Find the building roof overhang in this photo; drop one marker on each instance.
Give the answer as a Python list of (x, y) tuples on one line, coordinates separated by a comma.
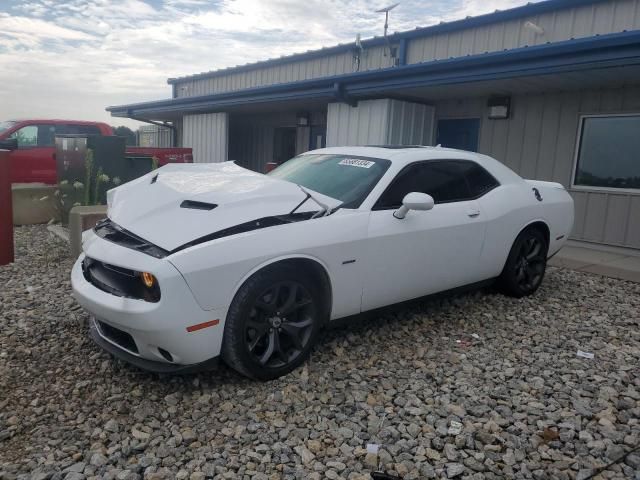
[(591, 53)]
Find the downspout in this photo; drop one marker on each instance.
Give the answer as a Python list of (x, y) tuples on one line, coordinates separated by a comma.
[(340, 95), (402, 52)]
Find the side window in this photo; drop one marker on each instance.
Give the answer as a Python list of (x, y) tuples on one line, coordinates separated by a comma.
[(88, 130), (26, 136), (480, 181), (443, 180), (46, 135), (35, 136), (74, 129)]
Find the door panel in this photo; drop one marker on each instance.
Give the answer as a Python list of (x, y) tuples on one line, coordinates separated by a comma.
[(284, 144), (425, 253), (34, 160), (460, 133), (33, 165)]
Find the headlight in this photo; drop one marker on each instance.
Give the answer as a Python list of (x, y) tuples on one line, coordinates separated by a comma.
[(148, 280)]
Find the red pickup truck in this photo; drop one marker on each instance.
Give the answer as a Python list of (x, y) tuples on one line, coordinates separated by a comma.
[(34, 160)]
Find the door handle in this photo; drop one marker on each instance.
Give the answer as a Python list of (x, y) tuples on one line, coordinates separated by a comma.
[(473, 213)]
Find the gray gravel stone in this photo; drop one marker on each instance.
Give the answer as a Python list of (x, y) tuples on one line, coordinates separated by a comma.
[(529, 407)]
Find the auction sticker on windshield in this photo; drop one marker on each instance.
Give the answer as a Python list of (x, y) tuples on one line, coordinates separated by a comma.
[(357, 162)]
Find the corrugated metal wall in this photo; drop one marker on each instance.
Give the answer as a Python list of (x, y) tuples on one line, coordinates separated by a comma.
[(251, 145), (379, 122), (366, 124), (155, 136), (599, 18), (251, 137), (207, 134), (335, 64), (410, 123), (584, 21), (539, 141)]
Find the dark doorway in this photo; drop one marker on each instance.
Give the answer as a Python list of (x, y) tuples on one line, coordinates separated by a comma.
[(284, 144), (460, 133)]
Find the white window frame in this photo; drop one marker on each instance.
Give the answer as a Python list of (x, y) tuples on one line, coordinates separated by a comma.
[(588, 188)]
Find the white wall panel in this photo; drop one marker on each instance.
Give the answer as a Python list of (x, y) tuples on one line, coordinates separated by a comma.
[(539, 141), (379, 122), (207, 135), (332, 64), (588, 20), (365, 124)]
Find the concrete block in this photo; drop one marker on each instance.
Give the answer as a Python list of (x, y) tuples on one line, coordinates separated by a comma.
[(34, 203), (81, 219)]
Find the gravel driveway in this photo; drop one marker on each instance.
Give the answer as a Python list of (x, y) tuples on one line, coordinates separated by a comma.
[(506, 369)]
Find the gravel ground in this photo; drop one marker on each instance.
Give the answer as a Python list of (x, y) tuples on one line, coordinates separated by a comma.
[(505, 369)]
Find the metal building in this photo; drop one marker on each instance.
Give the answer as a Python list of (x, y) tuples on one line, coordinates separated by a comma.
[(551, 89)]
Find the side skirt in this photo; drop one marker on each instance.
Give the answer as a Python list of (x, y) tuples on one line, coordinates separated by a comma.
[(376, 312)]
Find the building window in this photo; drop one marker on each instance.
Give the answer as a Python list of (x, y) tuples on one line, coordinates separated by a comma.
[(609, 152)]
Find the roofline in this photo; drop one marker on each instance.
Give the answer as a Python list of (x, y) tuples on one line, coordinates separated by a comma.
[(617, 49), (444, 27)]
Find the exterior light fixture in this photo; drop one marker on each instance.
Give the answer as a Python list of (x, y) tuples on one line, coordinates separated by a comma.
[(499, 108), (302, 120)]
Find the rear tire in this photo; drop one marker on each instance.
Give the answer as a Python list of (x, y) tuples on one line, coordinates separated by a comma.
[(526, 265), (273, 323)]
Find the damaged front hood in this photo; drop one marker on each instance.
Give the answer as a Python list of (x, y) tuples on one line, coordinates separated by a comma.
[(179, 203)]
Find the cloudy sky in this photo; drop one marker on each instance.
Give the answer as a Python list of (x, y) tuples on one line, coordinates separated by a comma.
[(72, 58)]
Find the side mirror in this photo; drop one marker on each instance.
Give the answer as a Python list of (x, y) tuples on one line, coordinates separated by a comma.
[(9, 144), (414, 201)]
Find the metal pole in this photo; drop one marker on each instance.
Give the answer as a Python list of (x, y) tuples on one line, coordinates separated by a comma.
[(6, 211)]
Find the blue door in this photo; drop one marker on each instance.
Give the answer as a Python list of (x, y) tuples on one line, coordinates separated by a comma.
[(460, 133)]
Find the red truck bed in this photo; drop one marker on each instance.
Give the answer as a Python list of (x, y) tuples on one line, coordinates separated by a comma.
[(164, 155)]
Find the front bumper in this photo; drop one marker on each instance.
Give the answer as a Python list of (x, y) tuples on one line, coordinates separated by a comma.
[(153, 329), (143, 363)]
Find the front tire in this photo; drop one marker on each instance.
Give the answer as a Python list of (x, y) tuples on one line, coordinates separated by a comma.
[(526, 264), (273, 323)]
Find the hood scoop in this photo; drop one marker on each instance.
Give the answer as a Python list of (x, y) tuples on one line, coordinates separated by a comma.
[(195, 205)]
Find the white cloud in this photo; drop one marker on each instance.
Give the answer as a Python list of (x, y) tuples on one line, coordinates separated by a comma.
[(72, 58)]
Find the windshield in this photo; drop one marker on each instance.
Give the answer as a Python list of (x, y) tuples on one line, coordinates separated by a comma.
[(348, 178), (4, 126)]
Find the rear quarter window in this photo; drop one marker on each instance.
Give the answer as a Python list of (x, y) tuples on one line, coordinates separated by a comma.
[(480, 181)]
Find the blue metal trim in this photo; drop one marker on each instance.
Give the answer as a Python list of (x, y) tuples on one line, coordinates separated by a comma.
[(529, 9), (402, 52), (571, 55)]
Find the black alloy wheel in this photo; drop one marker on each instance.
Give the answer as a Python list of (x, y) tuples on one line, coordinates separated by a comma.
[(526, 265), (273, 322), (280, 324), (530, 265)]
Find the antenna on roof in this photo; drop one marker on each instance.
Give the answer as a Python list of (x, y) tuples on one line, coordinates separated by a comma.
[(386, 11), (357, 53)]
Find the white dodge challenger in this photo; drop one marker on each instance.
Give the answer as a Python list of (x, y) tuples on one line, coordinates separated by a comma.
[(202, 261)]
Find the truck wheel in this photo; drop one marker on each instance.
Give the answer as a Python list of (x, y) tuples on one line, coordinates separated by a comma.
[(526, 264), (272, 324)]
